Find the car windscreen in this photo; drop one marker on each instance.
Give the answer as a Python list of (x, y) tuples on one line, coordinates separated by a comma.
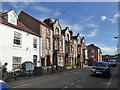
[(101, 64)]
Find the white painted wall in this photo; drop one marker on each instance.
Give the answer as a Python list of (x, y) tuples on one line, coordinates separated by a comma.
[(8, 50)]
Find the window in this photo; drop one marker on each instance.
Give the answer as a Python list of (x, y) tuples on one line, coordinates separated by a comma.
[(67, 48), (62, 60), (70, 60), (79, 50), (57, 31), (71, 48), (12, 19), (60, 45), (48, 43), (34, 43), (56, 44), (16, 62), (48, 31), (92, 50), (17, 38), (59, 62), (67, 37)]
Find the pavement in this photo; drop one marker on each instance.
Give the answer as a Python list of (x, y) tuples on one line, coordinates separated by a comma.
[(76, 78)]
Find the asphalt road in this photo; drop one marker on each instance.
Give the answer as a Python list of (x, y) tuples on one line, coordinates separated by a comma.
[(78, 78)]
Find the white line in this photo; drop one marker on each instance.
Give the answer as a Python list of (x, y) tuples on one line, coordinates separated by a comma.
[(72, 84), (65, 87), (111, 79), (78, 81)]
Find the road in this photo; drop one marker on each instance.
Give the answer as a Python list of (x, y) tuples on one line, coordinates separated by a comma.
[(78, 78)]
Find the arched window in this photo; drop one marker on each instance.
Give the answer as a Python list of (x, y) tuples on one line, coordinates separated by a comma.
[(67, 37), (57, 31)]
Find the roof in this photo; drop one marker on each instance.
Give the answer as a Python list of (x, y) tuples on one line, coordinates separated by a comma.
[(20, 26), (92, 45), (35, 19)]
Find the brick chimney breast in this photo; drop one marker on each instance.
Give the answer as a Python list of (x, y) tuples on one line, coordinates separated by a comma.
[(48, 21)]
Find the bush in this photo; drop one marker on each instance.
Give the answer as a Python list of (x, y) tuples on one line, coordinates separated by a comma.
[(68, 65)]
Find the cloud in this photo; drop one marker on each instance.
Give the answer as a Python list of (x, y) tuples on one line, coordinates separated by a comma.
[(115, 17), (18, 7), (105, 49), (109, 50), (103, 18), (57, 13), (92, 25), (41, 9), (86, 19), (92, 33)]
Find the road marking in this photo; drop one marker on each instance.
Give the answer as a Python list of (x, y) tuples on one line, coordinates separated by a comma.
[(83, 78), (111, 79), (78, 81), (72, 84), (65, 87)]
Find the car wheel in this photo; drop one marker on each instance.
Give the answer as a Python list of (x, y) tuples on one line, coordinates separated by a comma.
[(92, 75), (107, 75)]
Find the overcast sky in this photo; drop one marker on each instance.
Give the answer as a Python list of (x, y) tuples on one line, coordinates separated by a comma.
[(96, 21)]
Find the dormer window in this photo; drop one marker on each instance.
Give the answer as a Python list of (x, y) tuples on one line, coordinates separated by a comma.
[(12, 19), (57, 31)]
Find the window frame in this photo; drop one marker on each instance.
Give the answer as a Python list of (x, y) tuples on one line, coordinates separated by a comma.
[(56, 44), (35, 44), (16, 63), (61, 45), (17, 38), (57, 31), (48, 31), (48, 44)]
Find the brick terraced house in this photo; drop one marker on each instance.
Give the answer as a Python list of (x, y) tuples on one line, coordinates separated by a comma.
[(58, 43)]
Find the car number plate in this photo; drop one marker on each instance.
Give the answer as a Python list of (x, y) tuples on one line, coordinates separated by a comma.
[(98, 72)]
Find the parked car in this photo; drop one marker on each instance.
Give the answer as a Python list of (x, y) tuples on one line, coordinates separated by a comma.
[(3, 85), (101, 68), (113, 63)]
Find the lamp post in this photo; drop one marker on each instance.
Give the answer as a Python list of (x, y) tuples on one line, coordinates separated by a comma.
[(118, 47)]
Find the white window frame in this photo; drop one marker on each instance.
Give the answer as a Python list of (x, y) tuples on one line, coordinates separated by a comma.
[(17, 37), (57, 31), (35, 42), (56, 44), (48, 31), (60, 45), (12, 19), (16, 61), (48, 43), (67, 37)]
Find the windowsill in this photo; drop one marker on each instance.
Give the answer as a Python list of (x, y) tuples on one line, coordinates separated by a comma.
[(48, 49), (34, 48), (14, 45)]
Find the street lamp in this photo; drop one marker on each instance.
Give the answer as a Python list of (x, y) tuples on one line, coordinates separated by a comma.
[(118, 48)]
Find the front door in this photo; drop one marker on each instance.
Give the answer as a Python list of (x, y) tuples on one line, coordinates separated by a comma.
[(35, 60)]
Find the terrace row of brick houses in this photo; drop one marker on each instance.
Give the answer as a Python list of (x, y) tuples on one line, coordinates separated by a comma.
[(25, 38)]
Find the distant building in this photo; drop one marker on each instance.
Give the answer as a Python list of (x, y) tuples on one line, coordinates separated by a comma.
[(109, 57), (94, 54)]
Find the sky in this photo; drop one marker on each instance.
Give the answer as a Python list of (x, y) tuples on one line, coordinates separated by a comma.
[(96, 21)]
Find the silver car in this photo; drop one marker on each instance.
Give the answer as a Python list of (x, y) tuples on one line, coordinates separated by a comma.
[(113, 63)]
